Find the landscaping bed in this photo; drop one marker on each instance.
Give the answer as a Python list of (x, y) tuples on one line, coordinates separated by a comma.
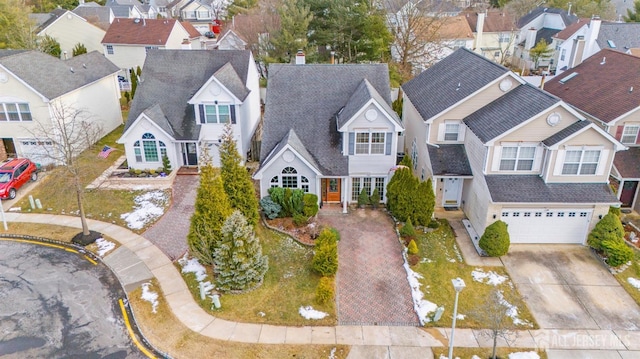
[(305, 234)]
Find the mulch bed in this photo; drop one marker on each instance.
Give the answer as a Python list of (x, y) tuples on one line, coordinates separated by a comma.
[(304, 235), (628, 229)]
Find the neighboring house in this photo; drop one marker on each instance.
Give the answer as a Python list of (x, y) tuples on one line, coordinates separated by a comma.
[(566, 44), (70, 29), (494, 34), (230, 41), (32, 83), (540, 23), (328, 130), (127, 41), (99, 15), (128, 9), (199, 13), (450, 34), (186, 99), (502, 149), (604, 89)]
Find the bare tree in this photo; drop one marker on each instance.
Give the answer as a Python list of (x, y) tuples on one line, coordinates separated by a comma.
[(492, 314), (256, 25)]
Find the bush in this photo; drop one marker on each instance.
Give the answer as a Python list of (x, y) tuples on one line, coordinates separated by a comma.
[(270, 208), (412, 248), (325, 258), (375, 198), (287, 204), (299, 220), (277, 195), (325, 290), (495, 240), (617, 252), (407, 231), (615, 210), (413, 259), (310, 201), (608, 229), (434, 224), (166, 164), (363, 198), (297, 203)]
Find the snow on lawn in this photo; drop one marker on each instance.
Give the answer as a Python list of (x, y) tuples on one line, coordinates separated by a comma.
[(150, 296), (512, 312), (492, 277), (524, 355), (310, 313), (193, 266), (634, 282), (422, 306), (148, 207), (104, 246)]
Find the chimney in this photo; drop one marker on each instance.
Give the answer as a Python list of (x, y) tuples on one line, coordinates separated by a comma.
[(569, 11), (479, 32), (144, 23), (530, 39), (300, 58), (591, 36), (333, 57)]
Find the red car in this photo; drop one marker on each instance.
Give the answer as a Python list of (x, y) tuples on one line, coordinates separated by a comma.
[(14, 174)]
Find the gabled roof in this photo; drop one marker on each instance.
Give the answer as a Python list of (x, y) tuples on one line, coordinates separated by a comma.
[(155, 114), (494, 21), (628, 163), (572, 29), (97, 15), (603, 90), (306, 98), (172, 77), (153, 32), (193, 33), (454, 27), (231, 41), (230, 79), (293, 140), (508, 111), (623, 36), (363, 94), (546, 34), (565, 132), (566, 18), (53, 77), (452, 79), (533, 189), (121, 11), (44, 20), (449, 159)]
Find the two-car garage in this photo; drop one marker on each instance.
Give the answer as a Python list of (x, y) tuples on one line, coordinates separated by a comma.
[(546, 225)]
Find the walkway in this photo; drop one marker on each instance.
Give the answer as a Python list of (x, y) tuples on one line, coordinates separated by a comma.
[(372, 286)]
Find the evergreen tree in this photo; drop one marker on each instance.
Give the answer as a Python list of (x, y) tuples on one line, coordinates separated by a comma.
[(79, 49), (134, 82), (236, 180), (425, 201), (633, 15), (211, 210), (50, 46), (294, 26), (238, 258), (495, 239), (609, 228), (16, 27)]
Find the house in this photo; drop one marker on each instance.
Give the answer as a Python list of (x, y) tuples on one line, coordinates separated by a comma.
[(607, 93), (199, 13), (328, 130), (494, 33), (127, 41), (70, 29), (565, 43), (502, 149), (32, 83), (100, 16), (230, 40), (128, 9), (184, 102)]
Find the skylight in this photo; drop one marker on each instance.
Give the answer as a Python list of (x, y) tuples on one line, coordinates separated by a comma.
[(567, 78), (611, 44)]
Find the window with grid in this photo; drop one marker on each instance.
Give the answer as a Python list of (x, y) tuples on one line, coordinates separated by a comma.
[(275, 181), (370, 143), (379, 184), (355, 188), (15, 112), (216, 114), (630, 134), (289, 178), (150, 151), (147, 48), (581, 162), (304, 184), (504, 37), (366, 185), (110, 49), (163, 149), (451, 131), (517, 158)]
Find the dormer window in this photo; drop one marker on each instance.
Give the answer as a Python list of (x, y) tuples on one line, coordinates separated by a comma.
[(215, 113), (451, 131), (630, 134), (581, 162), (517, 158), (370, 143)]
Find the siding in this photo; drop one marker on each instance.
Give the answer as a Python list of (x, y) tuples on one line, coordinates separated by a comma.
[(275, 169), (70, 30), (475, 196)]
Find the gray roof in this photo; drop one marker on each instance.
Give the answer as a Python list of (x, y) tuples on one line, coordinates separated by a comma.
[(171, 78), (229, 78), (566, 18), (53, 77), (508, 111), (44, 20), (98, 15), (359, 98), (565, 132), (306, 98), (625, 36), (452, 79), (532, 189), (293, 140), (449, 160), (546, 34), (39, 18)]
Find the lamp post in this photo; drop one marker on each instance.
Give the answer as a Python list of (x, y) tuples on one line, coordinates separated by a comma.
[(458, 285)]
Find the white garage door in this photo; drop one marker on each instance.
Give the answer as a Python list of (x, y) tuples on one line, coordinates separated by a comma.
[(547, 226), (37, 150)]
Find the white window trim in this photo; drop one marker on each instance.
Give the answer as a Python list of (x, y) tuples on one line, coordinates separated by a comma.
[(518, 159), (442, 131), (600, 168), (203, 121), (537, 156), (369, 143), (635, 136)]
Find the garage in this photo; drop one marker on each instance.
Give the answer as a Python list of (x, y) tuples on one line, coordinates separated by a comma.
[(527, 225), (37, 150)]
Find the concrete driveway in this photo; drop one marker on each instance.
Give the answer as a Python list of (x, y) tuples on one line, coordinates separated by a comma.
[(566, 287)]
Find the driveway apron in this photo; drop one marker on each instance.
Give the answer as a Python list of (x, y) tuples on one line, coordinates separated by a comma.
[(372, 286), (170, 232)]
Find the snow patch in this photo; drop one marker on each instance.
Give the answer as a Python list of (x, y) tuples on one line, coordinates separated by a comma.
[(309, 313), (332, 355), (475, 357), (460, 316), (150, 296), (491, 277), (634, 282), (193, 266), (421, 306), (512, 312), (524, 355), (104, 246), (148, 207)]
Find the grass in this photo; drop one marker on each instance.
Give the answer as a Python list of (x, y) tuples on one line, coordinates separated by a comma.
[(441, 262), (468, 353), (288, 285), (632, 271), (165, 331)]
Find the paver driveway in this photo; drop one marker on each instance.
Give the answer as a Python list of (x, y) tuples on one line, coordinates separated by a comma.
[(566, 287), (372, 286)]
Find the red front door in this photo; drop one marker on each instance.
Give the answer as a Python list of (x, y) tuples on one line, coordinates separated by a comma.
[(628, 193)]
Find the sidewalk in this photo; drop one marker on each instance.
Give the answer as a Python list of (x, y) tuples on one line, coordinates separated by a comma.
[(138, 260)]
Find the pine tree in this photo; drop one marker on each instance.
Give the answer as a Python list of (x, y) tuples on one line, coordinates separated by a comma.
[(237, 181), (425, 202), (238, 258), (211, 210), (50, 45), (79, 49)]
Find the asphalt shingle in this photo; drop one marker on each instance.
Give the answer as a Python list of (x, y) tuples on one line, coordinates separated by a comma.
[(565, 132), (532, 189), (628, 163), (449, 160)]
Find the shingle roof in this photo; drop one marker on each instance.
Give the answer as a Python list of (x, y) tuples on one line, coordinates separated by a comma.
[(154, 32), (494, 21), (449, 160), (306, 98), (628, 162), (566, 18), (451, 80), (565, 132), (359, 98), (44, 20), (193, 33), (508, 111), (546, 34), (625, 36), (571, 29), (229, 78), (603, 90), (453, 27), (293, 140), (172, 77), (120, 11), (533, 189), (53, 77), (97, 15)]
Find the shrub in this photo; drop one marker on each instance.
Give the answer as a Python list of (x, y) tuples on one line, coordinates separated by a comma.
[(325, 290), (287, 204), (127, 96), (363, 198), (407, 231), (615, 210), (79, 49), (310, 201), (608, 229), (413, 259), (617, 252), (495, 240), (325, 258), (413, 247), (297, 202), (299, 220), (166, 164), (433, 224), (375, 198), (270, 208), (277, 195)]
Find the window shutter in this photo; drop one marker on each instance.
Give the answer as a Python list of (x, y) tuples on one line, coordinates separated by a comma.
[(233, 114), (557, 169), (497, 154), (202, 118), (537, 160), (388, 143), (638, 138), (461, 130), (619, 130), (441, 129), (602, 164), (352, 143)]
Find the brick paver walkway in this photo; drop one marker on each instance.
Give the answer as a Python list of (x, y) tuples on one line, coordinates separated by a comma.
[(372, 286), (170, 232)]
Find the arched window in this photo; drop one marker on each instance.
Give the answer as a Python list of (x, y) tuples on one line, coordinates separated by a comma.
[(289, 178), (150, 149), (275, 181), (304, 183)]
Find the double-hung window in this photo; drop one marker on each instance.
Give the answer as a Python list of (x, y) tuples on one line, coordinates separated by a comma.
[(581, 162), (370, 143), (15, 112), (451, 130), (630, 134), (517, 158), (110, 49), (216, 114)]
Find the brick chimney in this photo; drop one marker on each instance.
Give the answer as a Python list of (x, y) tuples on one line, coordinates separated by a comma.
[(300, 58)]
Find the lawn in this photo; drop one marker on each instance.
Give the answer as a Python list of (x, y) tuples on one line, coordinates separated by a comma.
[(633, 271), (288, 285), (441, 262), (468, 353)]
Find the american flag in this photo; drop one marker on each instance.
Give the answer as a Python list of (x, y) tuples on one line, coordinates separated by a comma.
[(106, 150)]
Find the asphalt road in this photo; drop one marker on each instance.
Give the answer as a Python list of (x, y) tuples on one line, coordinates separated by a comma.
[(56, 304)]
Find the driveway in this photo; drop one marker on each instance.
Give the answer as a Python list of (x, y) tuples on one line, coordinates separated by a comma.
[(567, 287)]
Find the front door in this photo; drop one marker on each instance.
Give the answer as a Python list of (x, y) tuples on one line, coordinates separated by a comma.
[(452, 189), (331, 189), (190, 154), (628, 193)]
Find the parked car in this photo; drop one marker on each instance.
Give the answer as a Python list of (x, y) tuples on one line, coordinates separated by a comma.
[(210, 34), (14, 174)]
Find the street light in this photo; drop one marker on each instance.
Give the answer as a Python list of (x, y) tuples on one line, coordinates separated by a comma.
[(458, 285)]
